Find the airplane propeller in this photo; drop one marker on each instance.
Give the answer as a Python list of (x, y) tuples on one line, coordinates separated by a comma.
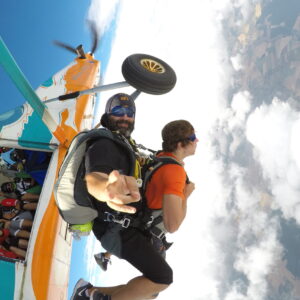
[(95, 36), (65, 46), (79, 50)]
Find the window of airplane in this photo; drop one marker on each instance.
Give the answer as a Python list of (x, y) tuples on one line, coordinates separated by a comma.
[(22, 175)]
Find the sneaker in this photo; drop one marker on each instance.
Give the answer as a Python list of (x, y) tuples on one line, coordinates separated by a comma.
[(102, 261), (96, 295), (79, 290)]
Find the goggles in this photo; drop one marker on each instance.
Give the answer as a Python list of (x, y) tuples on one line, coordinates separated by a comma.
[(192, 137), (121, 111)]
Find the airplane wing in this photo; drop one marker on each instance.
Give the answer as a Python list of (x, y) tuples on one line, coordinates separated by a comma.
[(40, 127)]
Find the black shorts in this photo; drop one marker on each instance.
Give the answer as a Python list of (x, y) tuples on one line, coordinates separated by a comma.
[(136, 248)]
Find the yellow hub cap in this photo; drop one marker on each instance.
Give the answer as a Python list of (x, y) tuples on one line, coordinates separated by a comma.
[(152, 65)]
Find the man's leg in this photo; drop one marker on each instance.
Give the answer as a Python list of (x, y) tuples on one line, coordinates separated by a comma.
[(23, 244), (27, 224), (138, 288), (23, 234), (107, 290), (138, 251), (18, 251), (30, 206), (157, 274)]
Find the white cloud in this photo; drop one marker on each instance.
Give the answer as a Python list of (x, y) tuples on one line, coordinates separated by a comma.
[(102, 13), (278, 153), (257, 262), (236, 62), (257, 244), (241, 104)]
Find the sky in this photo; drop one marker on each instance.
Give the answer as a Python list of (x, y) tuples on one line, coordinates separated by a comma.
[(247, 166), (29, 28)]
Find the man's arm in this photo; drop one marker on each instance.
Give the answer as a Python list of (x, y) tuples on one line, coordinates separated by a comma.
[(174, 208), (174, 211), (30, 197), (115, 189)]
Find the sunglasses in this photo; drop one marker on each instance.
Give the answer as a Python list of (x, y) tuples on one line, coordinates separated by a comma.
[(192, 137), (121, 111)]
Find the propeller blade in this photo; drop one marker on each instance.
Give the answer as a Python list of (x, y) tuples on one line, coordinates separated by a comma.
[(95, 36), (65, 46), (79, 50)]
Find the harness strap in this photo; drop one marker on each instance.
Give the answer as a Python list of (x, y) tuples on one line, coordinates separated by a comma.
[(127, 221), (144, 148), (157, 220), (157, 232), (123, 221)]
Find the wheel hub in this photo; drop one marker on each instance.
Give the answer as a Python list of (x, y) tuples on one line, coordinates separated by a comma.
[(152, 66)]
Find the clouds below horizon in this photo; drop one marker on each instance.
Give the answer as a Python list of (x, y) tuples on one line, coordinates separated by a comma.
[(278, 153)]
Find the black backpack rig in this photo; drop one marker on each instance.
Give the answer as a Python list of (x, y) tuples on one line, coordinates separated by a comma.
[(72, 199), (153, 218)]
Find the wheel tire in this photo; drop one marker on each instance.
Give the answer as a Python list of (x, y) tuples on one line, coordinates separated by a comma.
[(148, 74)]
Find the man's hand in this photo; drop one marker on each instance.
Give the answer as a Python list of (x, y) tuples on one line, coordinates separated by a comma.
[(189, 188), (115, 189), (122, 190)]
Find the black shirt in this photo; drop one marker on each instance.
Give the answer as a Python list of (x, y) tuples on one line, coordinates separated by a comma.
[(104, 156)]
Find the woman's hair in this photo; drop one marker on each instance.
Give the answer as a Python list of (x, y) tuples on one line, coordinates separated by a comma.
[(175, 132)]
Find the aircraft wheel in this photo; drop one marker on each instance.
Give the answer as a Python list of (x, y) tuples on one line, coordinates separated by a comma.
[(148, 74)]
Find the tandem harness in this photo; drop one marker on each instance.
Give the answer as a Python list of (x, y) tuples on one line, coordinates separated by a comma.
[(156, 226), (127, 220), (145, 219)]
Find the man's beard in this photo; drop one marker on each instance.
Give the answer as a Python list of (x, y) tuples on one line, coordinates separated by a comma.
[(116, 126)]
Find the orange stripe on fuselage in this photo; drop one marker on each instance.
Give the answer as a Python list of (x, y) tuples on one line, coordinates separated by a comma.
[(87, 70), (80, 76), (44, 245)]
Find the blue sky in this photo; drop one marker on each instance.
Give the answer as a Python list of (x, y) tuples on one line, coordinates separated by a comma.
[(28, 28)]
